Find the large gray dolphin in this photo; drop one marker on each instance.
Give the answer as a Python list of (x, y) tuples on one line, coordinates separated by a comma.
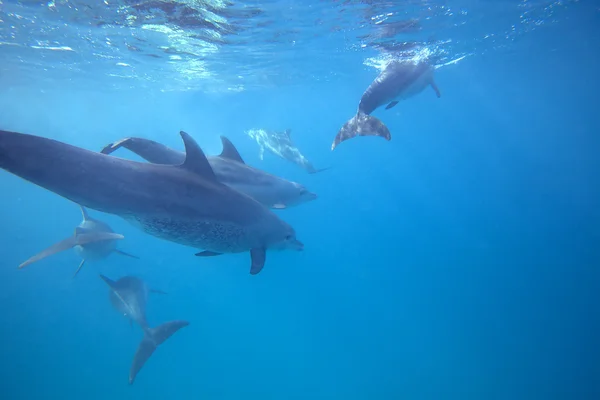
[(93, 240), (281, 144), (185, 203), (129, 295), (398, 81), (230, 169)]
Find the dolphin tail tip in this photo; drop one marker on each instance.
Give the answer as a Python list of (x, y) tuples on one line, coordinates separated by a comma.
[(153, 338), (361, 125)]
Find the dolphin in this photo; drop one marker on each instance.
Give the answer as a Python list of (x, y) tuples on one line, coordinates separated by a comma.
[(93, 240), (281, 144), (185, 203), (398, 81), (129, 296), (230, 169)]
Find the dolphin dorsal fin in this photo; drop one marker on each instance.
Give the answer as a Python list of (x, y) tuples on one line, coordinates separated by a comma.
[(195, 159), (229, 151), (84, 213)]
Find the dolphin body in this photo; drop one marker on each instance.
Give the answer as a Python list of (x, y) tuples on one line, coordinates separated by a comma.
[(93, 240), (129, 295), (398, 81), (183, 203), (281, 144), (229, 168)]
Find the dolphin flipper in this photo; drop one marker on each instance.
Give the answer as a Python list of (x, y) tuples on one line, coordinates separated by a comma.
[(392, 104), (207, 253), (361, 125), (79, 268), (70, 242), (123, 253), (435, 88), (153, 337), (258, 257)]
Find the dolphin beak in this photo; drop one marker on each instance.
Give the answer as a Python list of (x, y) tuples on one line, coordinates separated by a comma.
[(298, 245)]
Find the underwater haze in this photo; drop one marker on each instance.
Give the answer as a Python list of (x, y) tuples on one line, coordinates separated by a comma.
[(458, 260)]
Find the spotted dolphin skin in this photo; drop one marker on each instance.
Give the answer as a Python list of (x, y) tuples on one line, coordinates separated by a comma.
[(129, 295), (398, 81), (185, 203), (229, 168), (281, 144), (93, 240)]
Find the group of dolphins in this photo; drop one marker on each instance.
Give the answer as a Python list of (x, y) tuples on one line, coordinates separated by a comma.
[(218, 204)]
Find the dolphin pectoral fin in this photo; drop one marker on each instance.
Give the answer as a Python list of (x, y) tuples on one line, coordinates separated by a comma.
[(153, 337), (279, 206), (123, 253), (258, 257), (55, 248), (319, 170), (392, 104), (207, 253), (79, 268), (361, 125), (229, 151), (92, 237), (436, 89)]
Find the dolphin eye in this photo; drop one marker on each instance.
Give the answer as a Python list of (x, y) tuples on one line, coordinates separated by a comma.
[(288, 237)]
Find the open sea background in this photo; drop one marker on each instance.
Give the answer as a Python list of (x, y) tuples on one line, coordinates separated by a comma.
[(460, 260)]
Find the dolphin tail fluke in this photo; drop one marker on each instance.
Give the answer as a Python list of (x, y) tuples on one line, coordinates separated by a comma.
[(123, 253), (111, 147), (153, 337), (361, 125), (70, 242)]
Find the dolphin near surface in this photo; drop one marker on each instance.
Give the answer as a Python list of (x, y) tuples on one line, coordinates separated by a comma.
[(281, 144), (184, 204), (93, 240), (230, 169), (129, 295), (398, 81)]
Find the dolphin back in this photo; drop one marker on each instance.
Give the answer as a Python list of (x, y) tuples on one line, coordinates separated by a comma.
[(153, 337), (361, 125)]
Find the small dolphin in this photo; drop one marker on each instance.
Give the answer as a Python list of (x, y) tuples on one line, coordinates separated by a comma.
[(93, 240), (230, 169), (281, 144), (129, 296), (398, 81), (184, 204)]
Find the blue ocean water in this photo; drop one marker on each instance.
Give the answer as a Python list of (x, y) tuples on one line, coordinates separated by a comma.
[(457, 261)]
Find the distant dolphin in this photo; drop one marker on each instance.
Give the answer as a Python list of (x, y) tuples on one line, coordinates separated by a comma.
[(281, 144), (398, 81), (184, 204), (129, 296), (93, 240), (230, 169)]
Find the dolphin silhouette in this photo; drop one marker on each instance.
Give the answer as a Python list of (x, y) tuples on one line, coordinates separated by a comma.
[(129, 295), (230, 169), (398, 81), (93, 240), (282, 145), (183, 203)]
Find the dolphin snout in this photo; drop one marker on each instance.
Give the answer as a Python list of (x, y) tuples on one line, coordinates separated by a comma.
[(297, 245)]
